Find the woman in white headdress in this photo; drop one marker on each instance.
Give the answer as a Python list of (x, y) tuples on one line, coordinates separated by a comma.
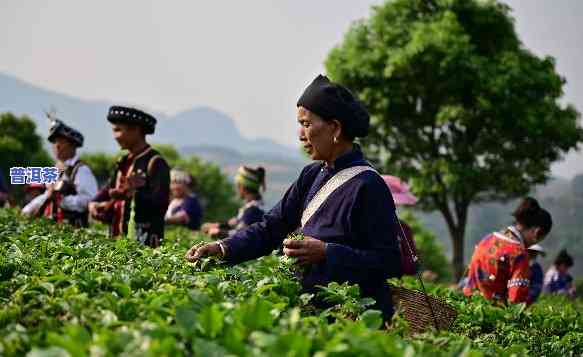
[(184, 209)]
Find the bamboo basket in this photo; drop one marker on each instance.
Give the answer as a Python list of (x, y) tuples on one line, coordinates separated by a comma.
[(423, 311)]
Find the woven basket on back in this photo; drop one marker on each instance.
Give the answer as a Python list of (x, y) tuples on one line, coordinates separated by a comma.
[(419, 314), (420, 310)]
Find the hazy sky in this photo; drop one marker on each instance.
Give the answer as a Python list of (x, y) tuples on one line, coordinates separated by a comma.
[(249, 59)]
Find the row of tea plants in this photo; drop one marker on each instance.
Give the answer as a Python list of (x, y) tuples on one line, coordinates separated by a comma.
[(77, 293)]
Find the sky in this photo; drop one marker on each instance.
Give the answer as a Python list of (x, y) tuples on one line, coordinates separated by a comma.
[(248, 59)]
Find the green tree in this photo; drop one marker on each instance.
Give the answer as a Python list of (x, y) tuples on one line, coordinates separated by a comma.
[(458, 104), (169, 153), (20, 145)]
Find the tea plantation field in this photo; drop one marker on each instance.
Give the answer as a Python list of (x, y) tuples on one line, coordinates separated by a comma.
[(77, 293)]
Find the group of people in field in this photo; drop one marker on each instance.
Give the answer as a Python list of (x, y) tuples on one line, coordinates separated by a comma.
[(142, 195), (341, 204)]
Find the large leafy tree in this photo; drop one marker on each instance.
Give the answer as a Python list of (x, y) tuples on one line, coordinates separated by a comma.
[(458, 104)]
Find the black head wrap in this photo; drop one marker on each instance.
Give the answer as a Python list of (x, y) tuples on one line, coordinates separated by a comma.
[(330, 100), (58, 128), (125, 115)]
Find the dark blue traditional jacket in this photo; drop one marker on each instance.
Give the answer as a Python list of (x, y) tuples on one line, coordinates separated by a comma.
[(357, 222), (536, 282)]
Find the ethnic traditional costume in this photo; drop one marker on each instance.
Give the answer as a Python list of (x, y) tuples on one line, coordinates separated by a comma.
[(536, 281), (357, 220), (499, 268), (74, 189), (557, 282), (251, 212), (536, 273), (142, 216), (190, 204), (252, 180)]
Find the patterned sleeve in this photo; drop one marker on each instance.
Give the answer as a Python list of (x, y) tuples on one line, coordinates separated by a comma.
[(519, 280), (103, 194)]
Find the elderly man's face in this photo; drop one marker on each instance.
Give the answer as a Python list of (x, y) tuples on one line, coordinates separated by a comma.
[(316, 135)]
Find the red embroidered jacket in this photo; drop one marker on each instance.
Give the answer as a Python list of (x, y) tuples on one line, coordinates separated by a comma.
[(499, 268)]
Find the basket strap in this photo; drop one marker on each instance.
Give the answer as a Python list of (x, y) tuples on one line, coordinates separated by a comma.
[(339, 179), (417, 273)]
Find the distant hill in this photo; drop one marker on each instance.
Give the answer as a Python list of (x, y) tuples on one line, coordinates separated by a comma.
[(207, 127), (201, 126)]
